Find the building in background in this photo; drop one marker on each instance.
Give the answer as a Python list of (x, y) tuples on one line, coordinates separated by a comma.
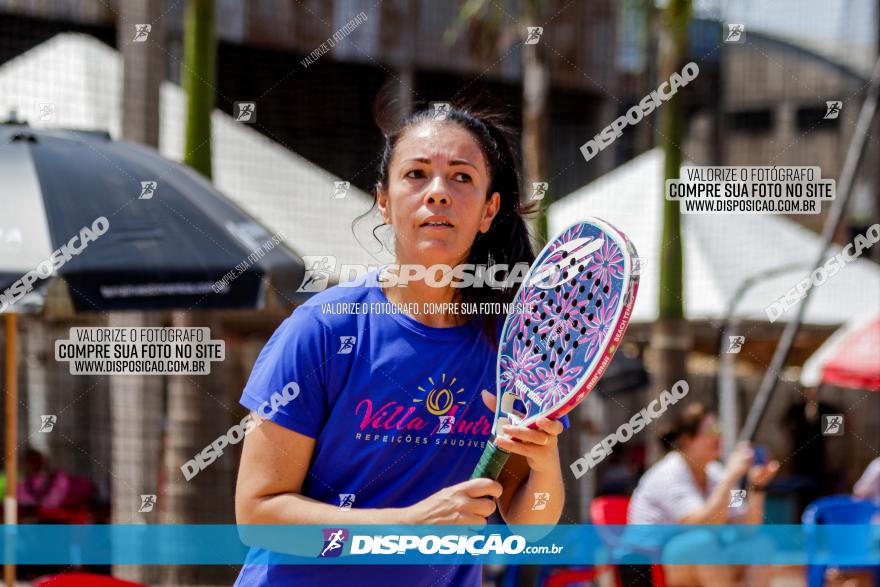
[(759, 102)]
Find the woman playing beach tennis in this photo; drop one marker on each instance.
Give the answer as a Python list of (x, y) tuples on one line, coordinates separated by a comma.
[(394, 409)]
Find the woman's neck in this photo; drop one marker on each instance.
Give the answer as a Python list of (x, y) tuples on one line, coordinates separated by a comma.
[(424, 296)]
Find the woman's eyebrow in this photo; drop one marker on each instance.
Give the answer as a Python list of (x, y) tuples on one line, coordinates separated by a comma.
[(427, 161), (462, 162)]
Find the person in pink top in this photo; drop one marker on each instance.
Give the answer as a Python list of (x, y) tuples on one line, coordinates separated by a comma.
[(43, 486)]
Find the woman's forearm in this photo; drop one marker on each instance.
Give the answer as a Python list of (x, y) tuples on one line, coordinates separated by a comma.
[(522, 506), (755, 513), (292, 508)]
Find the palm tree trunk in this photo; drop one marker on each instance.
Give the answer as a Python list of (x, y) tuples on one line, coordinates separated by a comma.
[(670, 337), (136, 408), (198, 408), (536, 92), (136, 401), (198, 77)]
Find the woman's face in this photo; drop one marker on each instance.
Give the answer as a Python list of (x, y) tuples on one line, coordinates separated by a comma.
[(705, 446), (436, 197)]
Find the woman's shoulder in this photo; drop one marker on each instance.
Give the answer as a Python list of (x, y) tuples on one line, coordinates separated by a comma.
[(336, 306), (351, 292), (667, 470)]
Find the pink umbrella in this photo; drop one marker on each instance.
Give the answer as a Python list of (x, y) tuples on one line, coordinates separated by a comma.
[(849, 358)]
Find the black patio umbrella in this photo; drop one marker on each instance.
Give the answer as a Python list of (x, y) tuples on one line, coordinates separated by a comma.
[(118, 227), (126, 229)]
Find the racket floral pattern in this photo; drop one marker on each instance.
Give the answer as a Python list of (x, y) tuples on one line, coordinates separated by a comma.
[(572, 310), (563, 321)]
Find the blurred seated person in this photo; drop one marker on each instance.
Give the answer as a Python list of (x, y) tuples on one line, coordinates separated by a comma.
[(45, 490), (690, 486), (802, 422)]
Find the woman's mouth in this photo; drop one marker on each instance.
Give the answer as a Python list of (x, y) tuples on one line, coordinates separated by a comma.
[(437, 223)]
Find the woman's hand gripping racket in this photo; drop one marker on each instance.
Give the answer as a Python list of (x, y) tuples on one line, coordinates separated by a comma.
[(572, 309)]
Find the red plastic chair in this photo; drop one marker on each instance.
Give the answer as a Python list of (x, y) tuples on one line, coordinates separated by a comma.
[(83, 580), (64, 516), (567, 577), (612, 510)]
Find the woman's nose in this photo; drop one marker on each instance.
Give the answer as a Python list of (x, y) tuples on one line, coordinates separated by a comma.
[(437, 193)]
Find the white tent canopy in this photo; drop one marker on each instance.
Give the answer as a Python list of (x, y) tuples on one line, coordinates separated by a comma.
[(720, 251), (82, 78)]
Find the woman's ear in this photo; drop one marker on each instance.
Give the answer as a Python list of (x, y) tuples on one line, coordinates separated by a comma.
[(491, 209), (382, 204)]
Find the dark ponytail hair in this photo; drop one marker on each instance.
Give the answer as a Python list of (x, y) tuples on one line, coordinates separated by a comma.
[(685, 424), (507, 241)]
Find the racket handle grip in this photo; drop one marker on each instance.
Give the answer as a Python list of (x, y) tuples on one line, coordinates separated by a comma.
[(491, 462)]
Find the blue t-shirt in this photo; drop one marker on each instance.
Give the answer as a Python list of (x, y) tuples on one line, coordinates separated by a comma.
[(376, 389)]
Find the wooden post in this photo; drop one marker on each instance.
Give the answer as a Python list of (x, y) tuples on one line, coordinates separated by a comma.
[(10, 507)]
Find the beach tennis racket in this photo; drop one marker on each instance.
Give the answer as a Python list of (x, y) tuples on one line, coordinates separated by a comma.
[(570, 314)]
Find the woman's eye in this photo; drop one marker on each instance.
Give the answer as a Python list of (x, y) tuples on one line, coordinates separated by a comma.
[(414, 173), (464, 177)]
